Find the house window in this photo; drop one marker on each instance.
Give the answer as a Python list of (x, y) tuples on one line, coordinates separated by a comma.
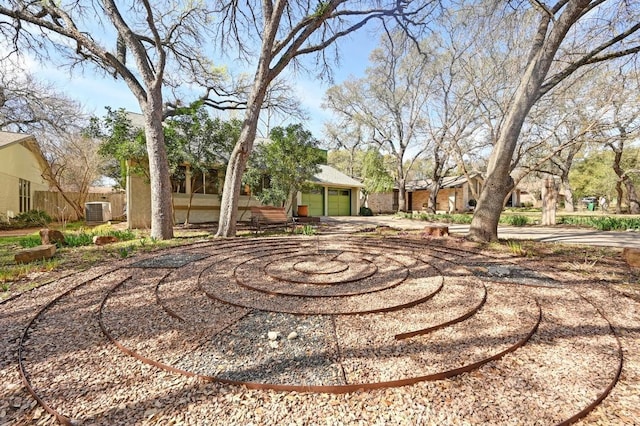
[(24, 195), (179, 180), (205, 183)]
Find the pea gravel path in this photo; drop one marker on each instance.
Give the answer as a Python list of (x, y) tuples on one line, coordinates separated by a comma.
[(159, 338)]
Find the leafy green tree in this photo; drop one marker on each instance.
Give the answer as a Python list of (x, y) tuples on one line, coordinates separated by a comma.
[(593, 176), (192, 137), (203, 143), (287, 162), (375, 176), (347, 161), (121, 141)]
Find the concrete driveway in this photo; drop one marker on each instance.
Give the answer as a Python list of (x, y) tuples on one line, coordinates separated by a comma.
[(565, 235)]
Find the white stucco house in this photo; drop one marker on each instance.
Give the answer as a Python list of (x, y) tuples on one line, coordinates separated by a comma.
[(21, 173)]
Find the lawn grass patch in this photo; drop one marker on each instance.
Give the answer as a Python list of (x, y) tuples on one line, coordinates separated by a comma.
[(79, 253)]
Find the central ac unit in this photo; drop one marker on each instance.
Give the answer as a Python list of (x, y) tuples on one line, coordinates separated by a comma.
[(97, 211)]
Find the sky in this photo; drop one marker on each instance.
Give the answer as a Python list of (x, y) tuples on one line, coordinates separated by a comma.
[(96, 90)]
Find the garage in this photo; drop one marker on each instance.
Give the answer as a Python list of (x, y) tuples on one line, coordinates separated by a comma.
[(339, 202), (314, 199), (330, 193)]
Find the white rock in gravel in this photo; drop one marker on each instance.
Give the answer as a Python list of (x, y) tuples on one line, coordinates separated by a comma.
[(274, 344), (499, 271), (292, 335), (273, 335)]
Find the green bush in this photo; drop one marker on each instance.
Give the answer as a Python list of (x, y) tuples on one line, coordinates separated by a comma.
[(602, 223), (366, 211), (515, 220), (30, 219), (79, 239), (85, 237), (30, 241)]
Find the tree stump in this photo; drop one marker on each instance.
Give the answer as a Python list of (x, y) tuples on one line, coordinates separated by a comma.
[(436, 230), (631, 256)]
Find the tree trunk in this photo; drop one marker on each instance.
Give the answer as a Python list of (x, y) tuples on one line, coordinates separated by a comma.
[(623, 179), (549, 201), (188, 214), (238, 161), (160, 182), (498, 184), (618, 148), (619, 197), (402, 195), (433, 195), (568, 197), (634, 206)]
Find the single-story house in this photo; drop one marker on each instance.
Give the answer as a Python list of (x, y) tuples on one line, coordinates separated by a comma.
[(333, 193), (454, 195), (22, 166)]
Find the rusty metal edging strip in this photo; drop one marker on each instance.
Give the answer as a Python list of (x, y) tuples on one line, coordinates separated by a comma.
[(304, 282), (371, 311), (585, 411), (334, 389), (241, 283), (420, 332), (23, 374), (128, 351)]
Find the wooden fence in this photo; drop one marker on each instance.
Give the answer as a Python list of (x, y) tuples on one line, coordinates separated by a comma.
[(57, 207)]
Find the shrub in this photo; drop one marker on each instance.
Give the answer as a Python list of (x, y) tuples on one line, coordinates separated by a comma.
[(30, 241), (602, 223), (461, 218), (85, 238), (515, 220), (34, 218), (366, 211), (78, 239)]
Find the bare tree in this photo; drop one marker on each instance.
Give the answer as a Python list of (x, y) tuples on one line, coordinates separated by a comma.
[(74, 165), (32, 106), (570, 35), (558, 129), (138, 42), (29, 105), (619, 128), (281, 33), (391, 103), (454, 117), (349, 137)]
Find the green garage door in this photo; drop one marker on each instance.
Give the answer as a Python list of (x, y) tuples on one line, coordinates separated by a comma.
[(339, 202), (315, 200)]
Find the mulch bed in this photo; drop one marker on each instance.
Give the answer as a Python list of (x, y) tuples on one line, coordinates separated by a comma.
[(330, 329)]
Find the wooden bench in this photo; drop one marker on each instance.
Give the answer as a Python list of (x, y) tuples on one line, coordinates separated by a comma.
[(266, 217)]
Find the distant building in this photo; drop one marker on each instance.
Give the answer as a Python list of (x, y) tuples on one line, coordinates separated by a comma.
[(22, 166), (455, 195)]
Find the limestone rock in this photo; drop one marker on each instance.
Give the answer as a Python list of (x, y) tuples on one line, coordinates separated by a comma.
[(631, 256), (45, 251), (101, 240), (273, 335), (293, 335), (51, 236)]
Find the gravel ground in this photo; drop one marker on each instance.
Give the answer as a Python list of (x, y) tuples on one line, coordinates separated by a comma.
[(406, 331)]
